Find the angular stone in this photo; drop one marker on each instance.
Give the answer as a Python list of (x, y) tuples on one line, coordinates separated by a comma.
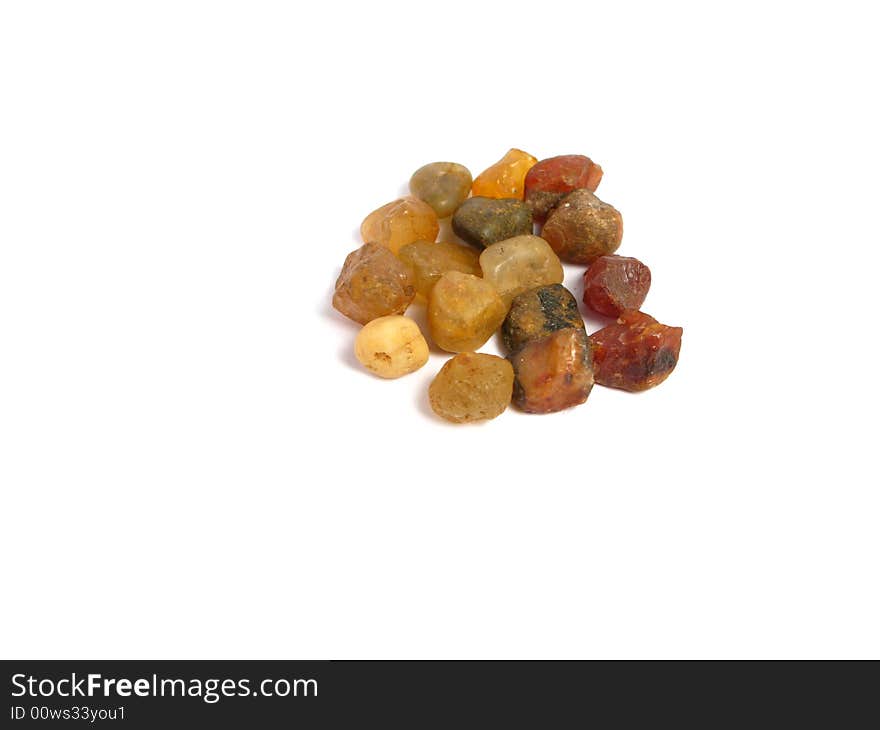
[(484, 221), (615, 283), (520, 263), (463, 311), (430, 261), (400, 222), (635, 353), (552, 179), (472, 386), (373, 283), (442, 185), (506, 178), (581, 228), (539, 312), (553, 373), (391, 346)]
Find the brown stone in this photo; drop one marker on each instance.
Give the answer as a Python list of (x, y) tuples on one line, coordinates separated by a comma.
[(373, 283), (581, 228)]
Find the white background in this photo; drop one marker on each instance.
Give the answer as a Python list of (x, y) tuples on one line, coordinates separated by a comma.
[(192, 464)]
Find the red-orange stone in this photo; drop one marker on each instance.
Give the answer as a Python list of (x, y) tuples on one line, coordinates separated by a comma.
[(551, 179), (635, 353), (615, 283), (553, 373)]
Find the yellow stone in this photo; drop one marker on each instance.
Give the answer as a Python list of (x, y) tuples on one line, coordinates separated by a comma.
[(506, 178), (391, 346), (463, 311), (520, 263), (400, 222), (430, 261), (472, 386)]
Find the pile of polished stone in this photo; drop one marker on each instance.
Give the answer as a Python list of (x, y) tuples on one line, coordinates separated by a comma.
[(506, 278)]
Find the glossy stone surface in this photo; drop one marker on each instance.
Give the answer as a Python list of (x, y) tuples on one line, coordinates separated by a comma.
[(635, 353), (400, 222), (615, 283), (552, 373), (463, 312), (430, 261), (506, 178), (539, 312), (484, 221), (552, 179), (472, 386), (520, 263), (442, 185), (581, 228), (391, 346), (373, 283)]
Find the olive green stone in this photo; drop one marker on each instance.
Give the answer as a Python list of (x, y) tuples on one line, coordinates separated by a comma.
[(539, 312), (484, 221), (442, 185)]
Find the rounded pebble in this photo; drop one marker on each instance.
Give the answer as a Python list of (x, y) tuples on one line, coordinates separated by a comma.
[(391, 346)]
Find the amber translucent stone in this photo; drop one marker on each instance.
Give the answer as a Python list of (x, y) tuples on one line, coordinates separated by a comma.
[(581, 228), (463, 311), (391, 346), (472, 387), (539, 312), (506, 178), (520, 263), (635, 353), (551, 179), (615, 283), (400, 222), (431, 260), (373, 283), (442, 185), (484, 221), (553, 373)]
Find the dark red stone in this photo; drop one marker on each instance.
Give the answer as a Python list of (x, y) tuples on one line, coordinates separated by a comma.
[(635, 353), (550, 180), (615, 283)]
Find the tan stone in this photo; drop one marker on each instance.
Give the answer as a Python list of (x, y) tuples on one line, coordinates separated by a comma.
[(472, 386)]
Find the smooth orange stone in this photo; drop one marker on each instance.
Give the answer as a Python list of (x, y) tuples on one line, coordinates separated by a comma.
[(400, 222), (506, 178)]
